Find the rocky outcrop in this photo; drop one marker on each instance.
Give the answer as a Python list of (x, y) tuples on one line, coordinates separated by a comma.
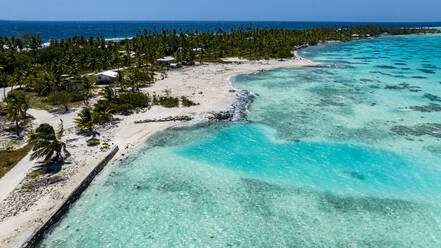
[(238, 110), (240, 107), (221, 116)]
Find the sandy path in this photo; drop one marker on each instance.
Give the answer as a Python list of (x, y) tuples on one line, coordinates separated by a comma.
[(13, 178)]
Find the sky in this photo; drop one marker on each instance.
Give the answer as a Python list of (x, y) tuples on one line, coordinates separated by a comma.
[(236, 10)]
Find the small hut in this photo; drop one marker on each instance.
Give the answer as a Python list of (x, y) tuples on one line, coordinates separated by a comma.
[(106, 77)]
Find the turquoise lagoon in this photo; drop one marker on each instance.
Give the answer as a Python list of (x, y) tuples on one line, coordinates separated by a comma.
[(347, 154)]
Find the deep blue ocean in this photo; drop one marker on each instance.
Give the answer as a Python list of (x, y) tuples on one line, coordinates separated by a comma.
[(124, 29)]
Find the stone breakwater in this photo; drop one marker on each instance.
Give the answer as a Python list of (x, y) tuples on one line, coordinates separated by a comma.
[(239, 109), (35, 238), (170, 118)]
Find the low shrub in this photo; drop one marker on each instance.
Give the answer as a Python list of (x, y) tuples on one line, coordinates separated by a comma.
[(105, 146), (61, 97), (125, 108), (93, 142), (187, 102), (137, 100), (101, 118), (313, 43), (166, 101)]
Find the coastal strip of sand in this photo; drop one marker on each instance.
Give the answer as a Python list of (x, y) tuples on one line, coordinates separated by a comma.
[(31, 203)]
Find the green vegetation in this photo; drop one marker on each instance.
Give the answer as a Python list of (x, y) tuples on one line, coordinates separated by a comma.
[(17, 105), (46, 143), (105, 146), (9, 158), (166, 101), (93, 142), (136, 100), (61, 97), (86, 120), (111, 103), (187, 102)]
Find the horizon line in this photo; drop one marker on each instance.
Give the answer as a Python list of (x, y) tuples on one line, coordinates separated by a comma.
[(71, 20)]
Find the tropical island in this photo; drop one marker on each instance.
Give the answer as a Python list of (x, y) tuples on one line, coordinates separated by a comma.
[(67, 104)]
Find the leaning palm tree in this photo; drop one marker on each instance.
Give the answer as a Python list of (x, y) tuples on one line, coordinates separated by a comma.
[(48, 144)]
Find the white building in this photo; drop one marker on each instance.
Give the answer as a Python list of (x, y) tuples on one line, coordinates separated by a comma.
[(131, 54), (166, 60), (106, 77)]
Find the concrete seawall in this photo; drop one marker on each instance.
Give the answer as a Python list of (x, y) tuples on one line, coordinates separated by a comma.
[(36, 237)]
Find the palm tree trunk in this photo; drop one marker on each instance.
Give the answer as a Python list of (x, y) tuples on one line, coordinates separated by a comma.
[(17, 127), (57, 156)]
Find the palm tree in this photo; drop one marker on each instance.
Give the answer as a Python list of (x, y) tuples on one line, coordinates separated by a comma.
[(87, 87), (61, 97), (120, 81), (86, 120), (16, 107), (47, 143), (3, 82), (108, 94)]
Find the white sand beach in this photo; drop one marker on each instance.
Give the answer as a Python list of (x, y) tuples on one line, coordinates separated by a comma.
[(25, 204)]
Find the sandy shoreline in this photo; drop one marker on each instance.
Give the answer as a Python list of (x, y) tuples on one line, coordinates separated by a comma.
[(30, 204)]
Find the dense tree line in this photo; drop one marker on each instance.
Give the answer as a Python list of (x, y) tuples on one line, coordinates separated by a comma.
[(24, 60)]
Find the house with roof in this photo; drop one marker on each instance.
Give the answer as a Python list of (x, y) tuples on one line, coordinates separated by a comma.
[(106, 76)]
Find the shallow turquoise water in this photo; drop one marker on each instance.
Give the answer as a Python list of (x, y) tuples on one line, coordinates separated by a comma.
[(344, 155)]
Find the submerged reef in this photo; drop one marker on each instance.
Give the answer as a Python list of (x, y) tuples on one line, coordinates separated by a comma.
[(382, 206), (327, 102), (432, 97), (427, 108), (432, 129), (403, 86)]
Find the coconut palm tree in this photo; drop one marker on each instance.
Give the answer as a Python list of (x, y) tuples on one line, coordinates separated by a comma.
[(86, 120), (108, 94), (87, 87), (17, 105), (3, 82), (48, 144)]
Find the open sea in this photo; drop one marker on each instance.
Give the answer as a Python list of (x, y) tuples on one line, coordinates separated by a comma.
[(126, 29), (347, 154)]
